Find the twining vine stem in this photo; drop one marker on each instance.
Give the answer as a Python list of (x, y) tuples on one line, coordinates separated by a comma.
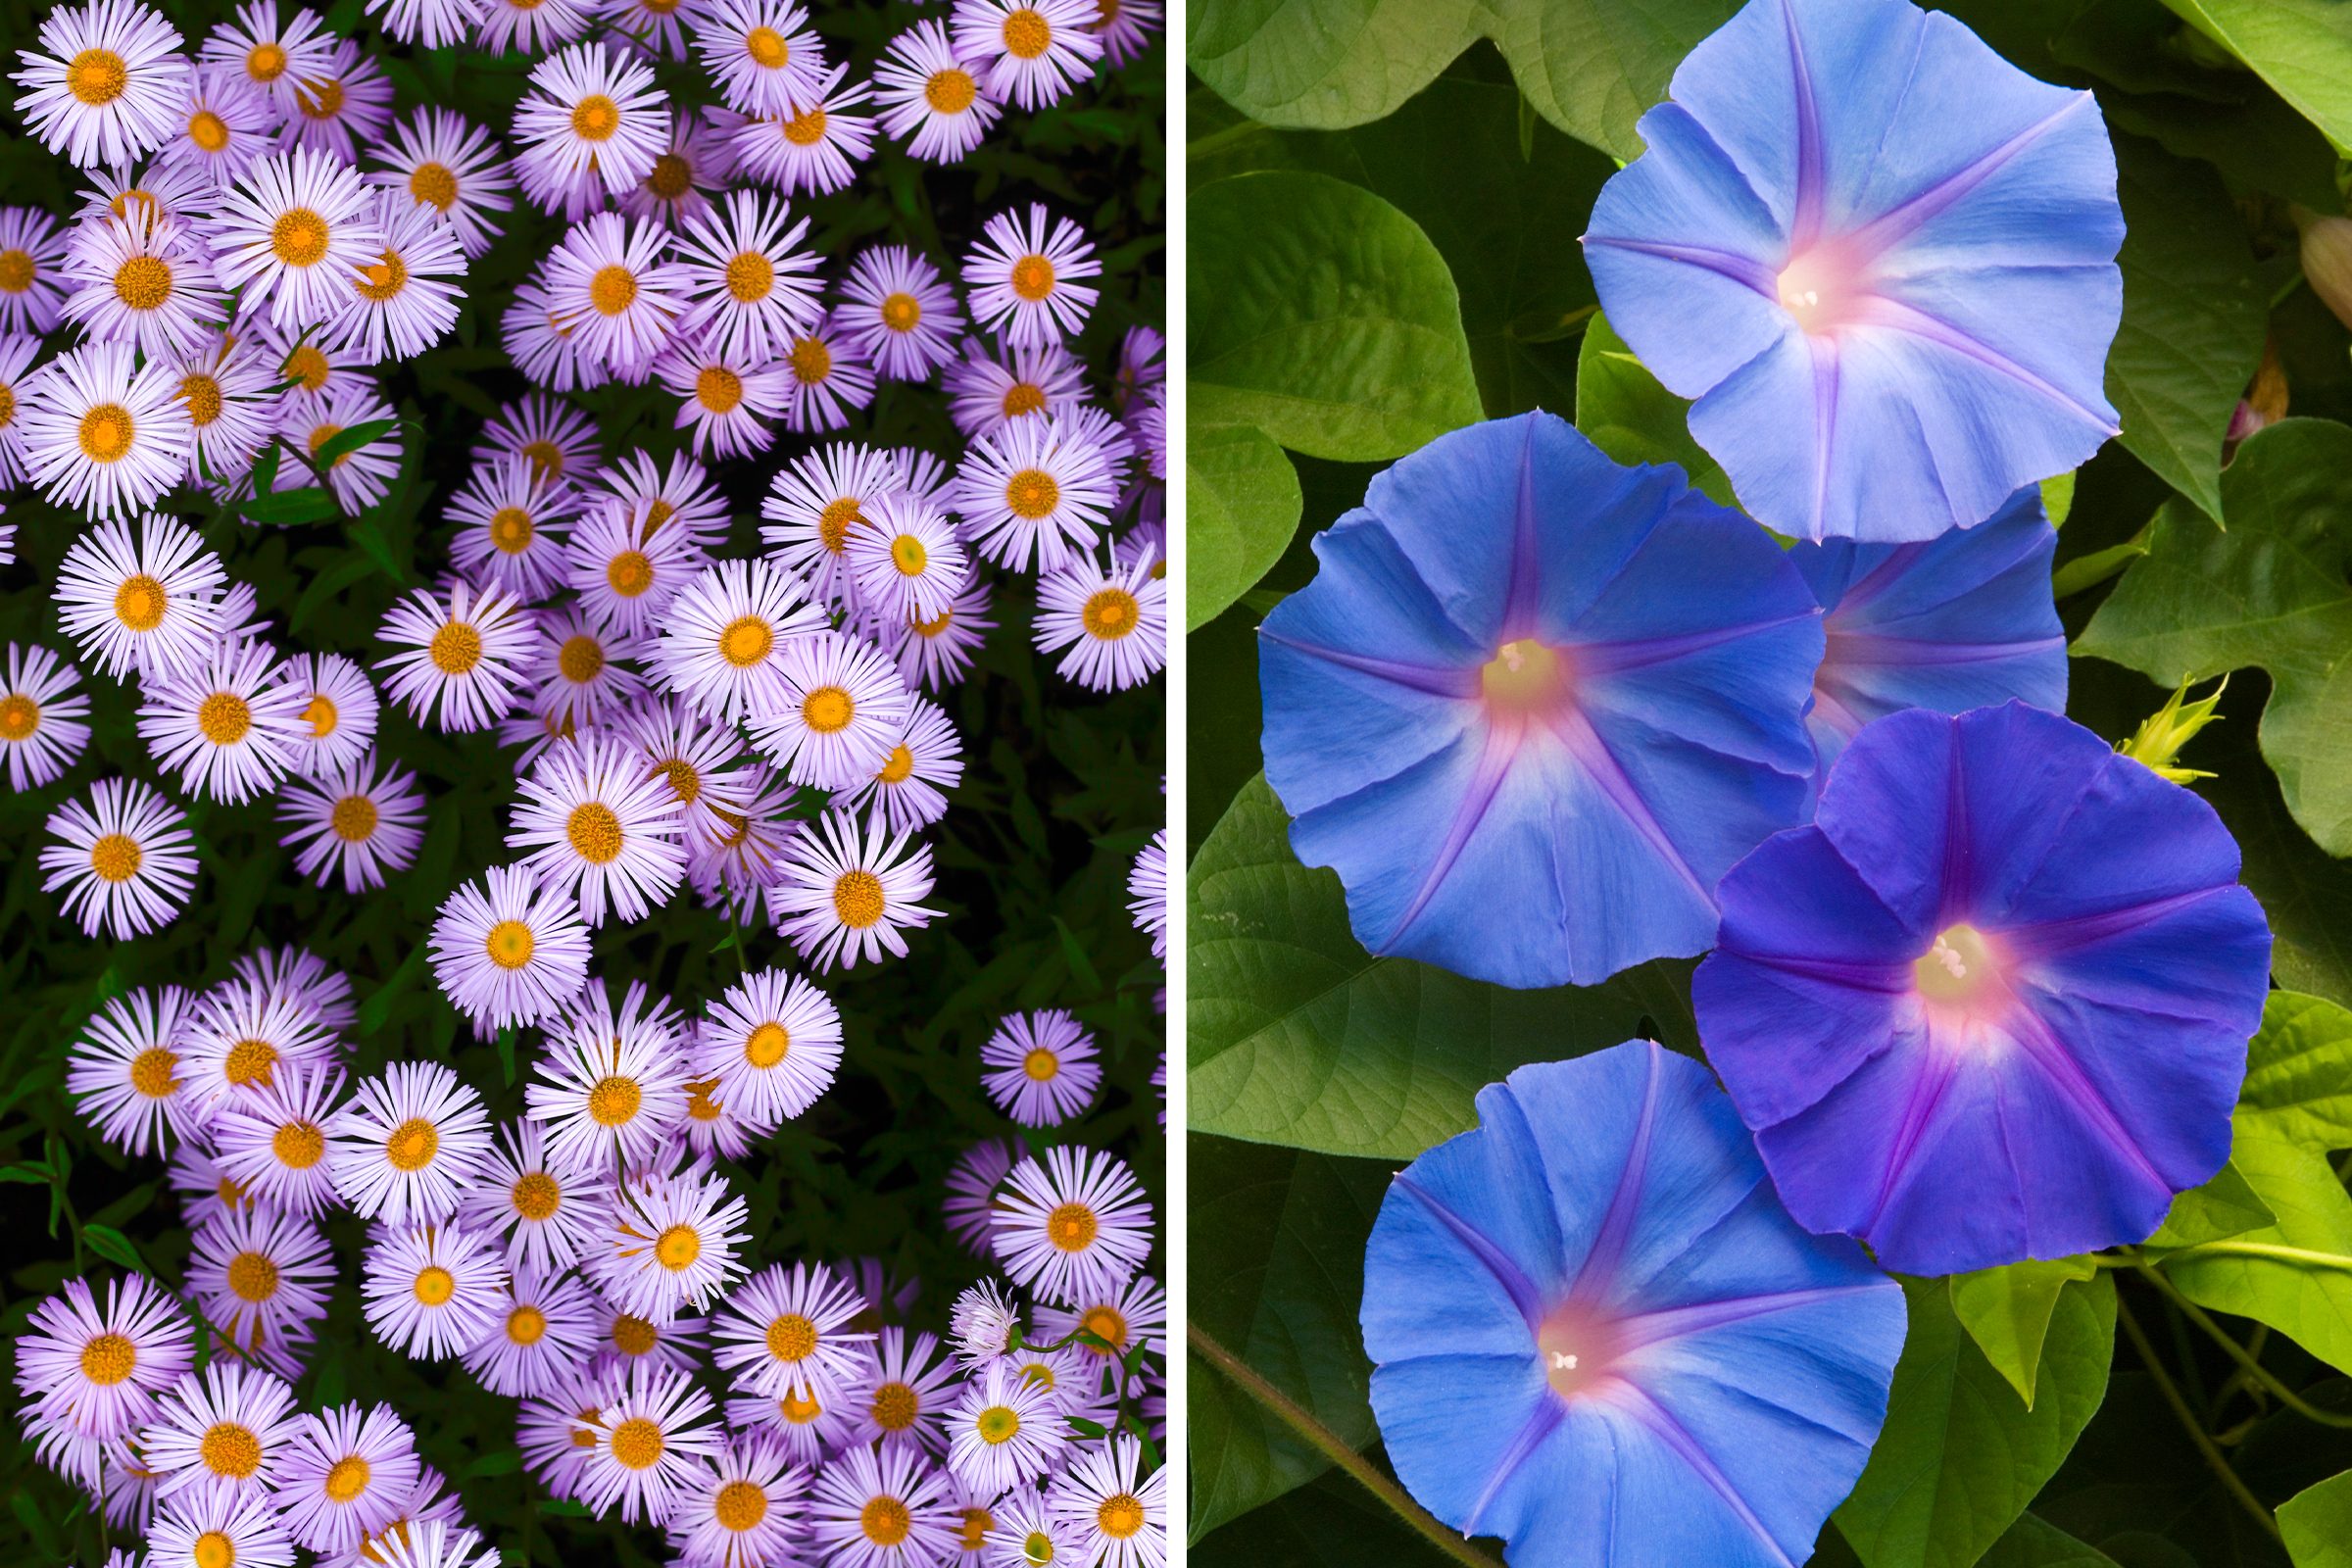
[(1328, 1443), (2218, 1461)]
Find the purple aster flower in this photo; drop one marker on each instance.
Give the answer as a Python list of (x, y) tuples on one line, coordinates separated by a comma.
[(1881, 258), (1536, 704), (1591, 1307), (1993, 1004), (1965, 621)]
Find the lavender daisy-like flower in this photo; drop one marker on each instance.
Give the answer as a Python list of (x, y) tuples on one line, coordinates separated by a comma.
[(673, 1245), (1965, 621), (101, 433), (431, 1291), (1040, 1067), (773, 1042), (1004, 1429), (848, 895), (543, 1205), (1593, 1306), (33, 280), (1073, 1224), (273, 1142), (1993, 1004), (812, 147), (260, 1277), (42, 717), (545, 1328), (200, 1529), (90, 1373), (591, 820), (1117, 1516), (649, 1444), (902, 312), (790, 1330), (837, 710), (626, 570), (219, 1434), (124, 1071), (106, 84), (1892, 298), (1035, 495), (453, 169), (510, 950), (231, 730), (618, 291), (294, 233), (348, 1474), (126, 861), (150, 606), (830, 379), (1526, 678), (723, 638), (463, 665), (1033, 51), (761, 54), (751, 282), (355, 825), (745, 1508), (612, 1081), (592, 117), (906, 1398), (886, 1510), (409, 1143), (1022, 275), (338, 711), (1108, 621)]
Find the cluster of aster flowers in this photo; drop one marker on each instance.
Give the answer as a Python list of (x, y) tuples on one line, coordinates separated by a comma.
[(589, 1261), (1978, 987), (761, 732)]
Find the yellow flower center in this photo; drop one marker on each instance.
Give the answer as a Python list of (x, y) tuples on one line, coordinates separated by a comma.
[(895, 1407), (1120, 1516), (1524, 676), (634, 1335), (433, 185), (510, 944), (857, 898), (637, 1442), (208, 131), (998, 1423), (739, 1506), (671, 177), (806, 128), (413, 1145), (1962, 967), (899, 767), (299, 237), (1107, 1324), (435, 1284), (213, 1549), (107, 1358), (455, 648), (143, 283), (139, 603), (834, 523), (766, 48), (751, 277), (828, 709), (527, 1325), (885, 1520), (1037, 1548), (251, 1062), (631, 572), (950, 91), (746, 641), (225, 717), (305, 363), (1033, 494), (811, 361), (383, 279), (612, 290), (318, 100), (1033, 277), (536, 1194), (792, 1338), (1027, 34), (767, 1044), (116, 857), (20, 716), (154, 1072), (1042, 1065), (679, 1246), (718, 388), (106, 432), (1072, 1227), (1110, 614), (613, 1102), (901, 312), (97, 76), (595, 118), (581, 659), (265, 62), (299, 1144), (355, 818), (546, 458), (202, 394), (348, 1479), (253, 1277), (1023, 397)]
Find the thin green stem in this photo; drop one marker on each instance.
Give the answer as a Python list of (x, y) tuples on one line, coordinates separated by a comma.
[(1328, 1443), (2245, 1360), (2215, 1459), (1216, 141), (2269, 1249)]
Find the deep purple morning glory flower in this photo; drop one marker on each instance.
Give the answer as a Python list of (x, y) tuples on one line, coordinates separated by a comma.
[(1965, 621), (1993, 1004), (1882, 259), (1534, 704), (1596, 1333)]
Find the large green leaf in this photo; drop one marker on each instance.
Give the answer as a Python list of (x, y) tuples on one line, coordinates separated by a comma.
[(2317, 1523), (1277, 1270), (1241, 507), (2035, 1543), (2227, 1205), (2310, 1302), (2271, 592), (1627, 412), (2193, 313), (2301, 47), (1324, 316), (2007, 1312), (2299, 1070), (1299, 1036), (1324, 63), (1961, 1456), (1592, 67), (1330, 1523)]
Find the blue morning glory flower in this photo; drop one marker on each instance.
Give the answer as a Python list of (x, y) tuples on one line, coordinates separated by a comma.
[(1882, 259), (1536, 704), (1993, 1004), (1596, 1333), (1965, 621)]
